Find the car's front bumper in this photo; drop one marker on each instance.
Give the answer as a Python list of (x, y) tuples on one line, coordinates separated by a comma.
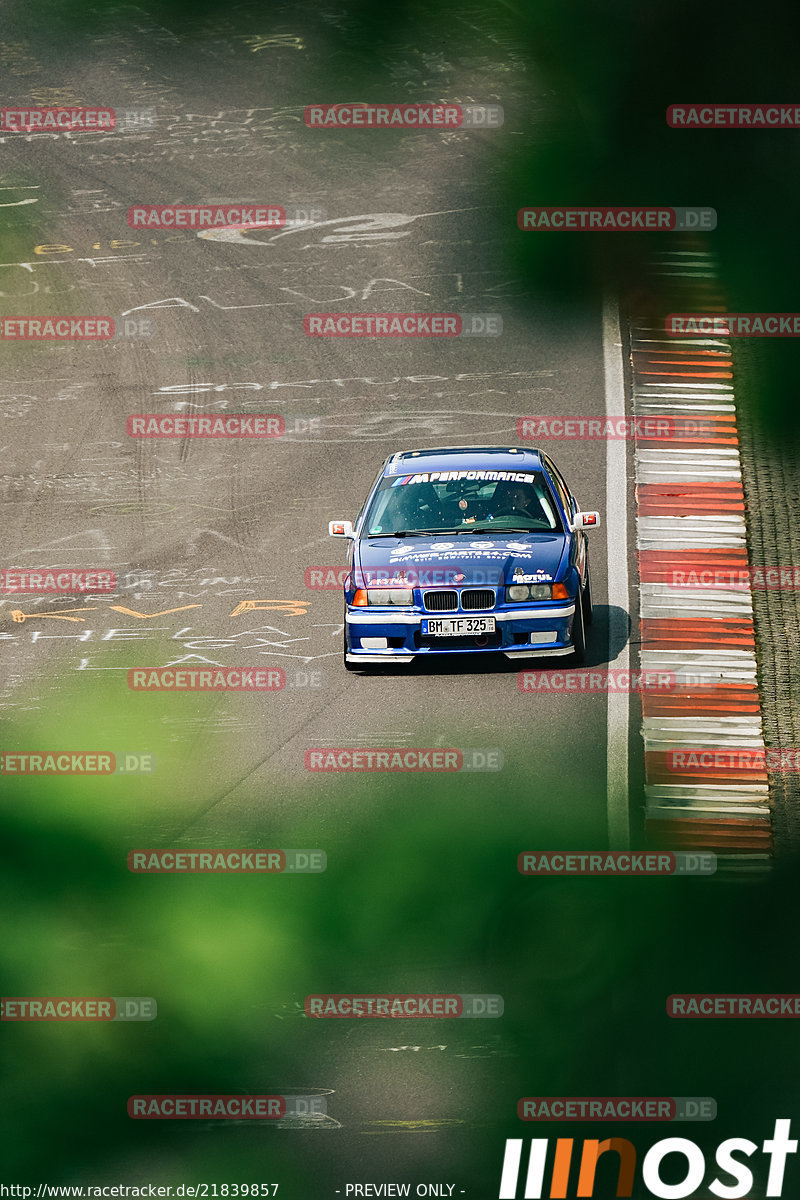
[(381, 635)]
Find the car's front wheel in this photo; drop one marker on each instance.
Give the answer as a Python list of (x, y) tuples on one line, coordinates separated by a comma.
[(588, 607), (348, 666), (578, 631)]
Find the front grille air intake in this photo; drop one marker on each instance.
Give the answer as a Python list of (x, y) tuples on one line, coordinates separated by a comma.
[(440, 601), (474, 598)]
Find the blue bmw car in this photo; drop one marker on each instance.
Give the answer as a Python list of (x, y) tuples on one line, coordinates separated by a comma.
[(478, 550)]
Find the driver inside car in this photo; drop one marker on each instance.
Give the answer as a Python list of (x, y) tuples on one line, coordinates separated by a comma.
[(516, 499)]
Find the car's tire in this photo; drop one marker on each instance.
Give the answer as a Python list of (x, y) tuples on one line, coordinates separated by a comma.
[(588, 607), (348, 666), (578, 632)]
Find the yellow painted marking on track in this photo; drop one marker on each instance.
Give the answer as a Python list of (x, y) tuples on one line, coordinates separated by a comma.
[(295, 608), (148, 616), (19, 616)]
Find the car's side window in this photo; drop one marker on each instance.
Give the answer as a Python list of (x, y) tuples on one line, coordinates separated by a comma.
[(560, 486), (370, 495)]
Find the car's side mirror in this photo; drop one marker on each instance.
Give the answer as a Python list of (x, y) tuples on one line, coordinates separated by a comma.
[(586, 520), (342, 529)]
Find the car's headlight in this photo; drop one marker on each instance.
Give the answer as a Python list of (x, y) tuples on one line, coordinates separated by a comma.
[(519, 592), (383, 596)]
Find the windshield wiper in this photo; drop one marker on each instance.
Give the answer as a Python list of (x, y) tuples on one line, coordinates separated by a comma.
[(483, 527), (399, 533), (493, 528)]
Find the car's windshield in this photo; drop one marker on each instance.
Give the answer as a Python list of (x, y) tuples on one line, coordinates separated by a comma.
[(496, 501)]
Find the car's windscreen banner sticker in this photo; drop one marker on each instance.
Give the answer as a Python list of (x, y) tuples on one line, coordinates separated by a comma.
[(447, 476)]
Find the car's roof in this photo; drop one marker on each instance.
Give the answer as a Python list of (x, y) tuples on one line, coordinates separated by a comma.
[(475, 458)]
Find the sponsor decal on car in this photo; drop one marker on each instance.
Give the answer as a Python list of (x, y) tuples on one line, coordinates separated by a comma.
[(451, 476)]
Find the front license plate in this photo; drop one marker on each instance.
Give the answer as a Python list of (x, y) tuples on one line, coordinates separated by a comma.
[(458, 626)]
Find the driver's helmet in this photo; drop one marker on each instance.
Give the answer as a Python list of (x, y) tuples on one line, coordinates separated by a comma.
[(517, 496)]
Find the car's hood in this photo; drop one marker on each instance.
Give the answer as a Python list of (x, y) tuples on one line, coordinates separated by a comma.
[(460, 559)]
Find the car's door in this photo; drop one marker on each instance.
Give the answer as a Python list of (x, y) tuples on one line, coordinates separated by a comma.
[(578, 540)]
